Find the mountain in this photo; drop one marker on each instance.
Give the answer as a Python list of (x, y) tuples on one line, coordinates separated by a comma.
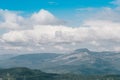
[(7, 56), (81, 50), (87, 62), (82, 61), (36, 61)]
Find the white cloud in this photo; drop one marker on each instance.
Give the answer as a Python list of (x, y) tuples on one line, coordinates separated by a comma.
[(13, 20), (108, 14), (44, 17), (97, 31), (42, 31), (14, 36), (61, 48), (10, 19), (117, 48)]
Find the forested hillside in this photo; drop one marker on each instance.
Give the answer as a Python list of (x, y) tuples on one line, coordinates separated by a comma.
[(29, 74)]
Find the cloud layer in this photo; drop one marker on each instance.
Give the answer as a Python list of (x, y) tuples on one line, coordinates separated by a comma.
[(43, 32), (98, 33)]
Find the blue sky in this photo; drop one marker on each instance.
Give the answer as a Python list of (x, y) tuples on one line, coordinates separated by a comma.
[(55, 6), (33, 5), (65, 9)]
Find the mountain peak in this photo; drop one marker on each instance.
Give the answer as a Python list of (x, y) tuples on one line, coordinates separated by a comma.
[(82, 50)]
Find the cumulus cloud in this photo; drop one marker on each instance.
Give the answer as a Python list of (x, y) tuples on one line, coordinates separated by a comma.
[(44, 17), (17, 25), (10, 19), (42, 31), (98, 31), (14, 20)]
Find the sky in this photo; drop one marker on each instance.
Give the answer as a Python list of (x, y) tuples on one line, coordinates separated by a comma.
[(59, 26)]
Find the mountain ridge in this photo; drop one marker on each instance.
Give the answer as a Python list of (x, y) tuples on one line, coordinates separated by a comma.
[(78, 61)]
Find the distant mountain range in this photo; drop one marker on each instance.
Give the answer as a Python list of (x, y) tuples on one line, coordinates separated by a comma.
[(82, 61), (7, 56)]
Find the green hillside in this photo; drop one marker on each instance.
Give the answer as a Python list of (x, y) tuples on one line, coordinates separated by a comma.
[(29, 74), (25, 74)]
